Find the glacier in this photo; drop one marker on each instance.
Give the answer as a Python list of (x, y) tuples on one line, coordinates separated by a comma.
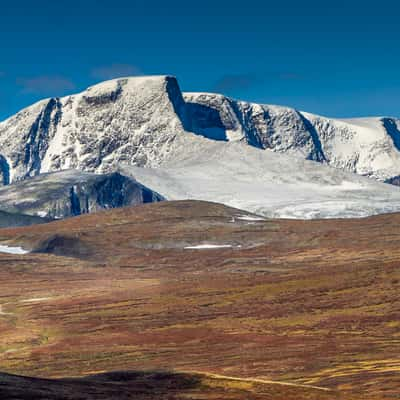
[(266, 183)]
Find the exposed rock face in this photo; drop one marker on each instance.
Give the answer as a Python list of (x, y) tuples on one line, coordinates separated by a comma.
[(281, 129), (125, 120), (14, 220), (366, 146), (70, 193), (4, 171), (140, 121)]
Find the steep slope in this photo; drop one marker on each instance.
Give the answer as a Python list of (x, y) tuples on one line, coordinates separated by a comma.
[(67, 193), (132, 120), (263, 182), (366, 146), (140, 120), (277, 128)]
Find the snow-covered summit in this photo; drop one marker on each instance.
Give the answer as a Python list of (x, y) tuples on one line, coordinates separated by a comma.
[(366, 146), (130, 119), (142, 121)]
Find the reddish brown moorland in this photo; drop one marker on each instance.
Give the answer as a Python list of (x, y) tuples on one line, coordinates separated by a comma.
[(311, 303)]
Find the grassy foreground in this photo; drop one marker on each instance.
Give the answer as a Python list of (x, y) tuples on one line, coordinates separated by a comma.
[(311, 303)]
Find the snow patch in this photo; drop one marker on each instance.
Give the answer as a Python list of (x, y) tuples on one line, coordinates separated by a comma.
[(209, 246), (251, 218), (12, 250)]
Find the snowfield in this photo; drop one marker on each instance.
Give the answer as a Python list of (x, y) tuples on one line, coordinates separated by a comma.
[(265, 183)]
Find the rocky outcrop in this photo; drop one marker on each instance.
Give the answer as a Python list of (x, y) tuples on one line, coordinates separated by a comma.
[(125, 120), (69, 193), (366, 146), (8, 220)]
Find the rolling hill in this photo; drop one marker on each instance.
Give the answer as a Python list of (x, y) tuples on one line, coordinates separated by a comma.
[(192, 286)]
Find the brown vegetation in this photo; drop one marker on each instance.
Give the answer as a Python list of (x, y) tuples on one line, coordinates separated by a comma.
[(312, 303)]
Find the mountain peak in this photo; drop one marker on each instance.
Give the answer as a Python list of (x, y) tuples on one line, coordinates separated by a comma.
[(139, 120), (132, 82)]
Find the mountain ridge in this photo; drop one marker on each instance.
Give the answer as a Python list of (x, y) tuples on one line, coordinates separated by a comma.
[(139, 121)]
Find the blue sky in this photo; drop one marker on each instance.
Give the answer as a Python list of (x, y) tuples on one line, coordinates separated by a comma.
[(339, 59)]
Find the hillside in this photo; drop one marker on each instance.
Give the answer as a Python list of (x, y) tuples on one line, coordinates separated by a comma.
[(197, 286), (156, 386)]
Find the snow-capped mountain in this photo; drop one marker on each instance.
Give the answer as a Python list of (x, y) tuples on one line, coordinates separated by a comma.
[(197, 146), (71, 192), (366, 146), (131, 120), (141, 121)]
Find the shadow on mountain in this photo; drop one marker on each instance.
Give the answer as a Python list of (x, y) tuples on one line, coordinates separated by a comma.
[(394, 180), (318, 154), (205, 121), (115, 385), (392, 130)]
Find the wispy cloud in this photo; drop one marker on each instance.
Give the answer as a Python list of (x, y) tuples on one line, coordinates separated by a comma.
[(115, 71), (236, 82), (46, 85), (231, 83)]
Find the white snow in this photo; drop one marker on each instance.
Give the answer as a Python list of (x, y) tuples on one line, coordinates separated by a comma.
[(251, 218), (209, 246), (142, 121), (137, 115), (12, 250), (360, 145), (142, 117), (265, 183)]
